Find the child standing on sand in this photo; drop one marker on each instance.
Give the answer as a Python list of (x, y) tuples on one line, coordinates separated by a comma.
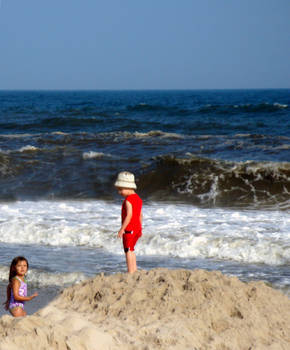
[(131, 229), (17, 287)]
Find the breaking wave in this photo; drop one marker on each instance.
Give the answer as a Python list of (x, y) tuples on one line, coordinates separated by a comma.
[(220, 183)]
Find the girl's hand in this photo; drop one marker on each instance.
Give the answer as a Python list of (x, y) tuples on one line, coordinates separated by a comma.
[(33, 295)]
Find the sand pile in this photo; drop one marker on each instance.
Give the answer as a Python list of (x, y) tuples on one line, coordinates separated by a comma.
[(157, 309)]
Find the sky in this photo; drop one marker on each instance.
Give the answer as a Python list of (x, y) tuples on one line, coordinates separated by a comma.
[(149, 44)]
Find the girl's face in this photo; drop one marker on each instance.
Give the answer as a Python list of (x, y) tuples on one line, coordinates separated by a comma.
[(21, 268)]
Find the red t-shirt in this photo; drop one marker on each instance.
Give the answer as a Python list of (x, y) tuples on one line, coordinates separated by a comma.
[(136, 202)]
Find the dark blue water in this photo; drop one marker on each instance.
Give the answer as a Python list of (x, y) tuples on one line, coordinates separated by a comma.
[(262, 112), (208, 149), (181, 145)]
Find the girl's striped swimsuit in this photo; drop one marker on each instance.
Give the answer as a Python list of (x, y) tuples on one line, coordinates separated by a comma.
[(22, 292)]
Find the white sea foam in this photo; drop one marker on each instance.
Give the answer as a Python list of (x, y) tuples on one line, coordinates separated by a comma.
[(92, 155), (245, 236), (158, 133), (282, 147), (279, 105), (28, 148), (43, 279), (18, 136), (242, 135), (169, 230)]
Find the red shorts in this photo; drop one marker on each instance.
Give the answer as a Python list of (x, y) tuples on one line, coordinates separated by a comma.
[(130, 239)]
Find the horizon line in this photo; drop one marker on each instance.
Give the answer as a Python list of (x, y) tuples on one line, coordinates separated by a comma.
[(149, 89)]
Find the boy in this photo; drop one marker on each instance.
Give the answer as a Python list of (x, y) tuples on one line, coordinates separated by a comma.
[(131, 229)]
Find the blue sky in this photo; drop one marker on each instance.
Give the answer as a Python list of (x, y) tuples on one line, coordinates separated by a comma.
[(152, 44)]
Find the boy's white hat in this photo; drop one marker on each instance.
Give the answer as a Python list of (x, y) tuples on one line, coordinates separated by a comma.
[(126, 180)]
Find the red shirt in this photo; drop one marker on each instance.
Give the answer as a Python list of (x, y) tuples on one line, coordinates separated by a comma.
[(136, 202)]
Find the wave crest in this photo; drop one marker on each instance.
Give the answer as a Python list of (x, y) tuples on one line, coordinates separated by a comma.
[(214, 182)]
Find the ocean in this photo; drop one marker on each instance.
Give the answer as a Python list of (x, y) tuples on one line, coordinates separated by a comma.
[(212, 167)]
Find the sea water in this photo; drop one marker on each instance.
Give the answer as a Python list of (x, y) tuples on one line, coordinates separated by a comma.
[(212, 168)]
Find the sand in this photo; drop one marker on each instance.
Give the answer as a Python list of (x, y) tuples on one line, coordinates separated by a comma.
[(157, 309)]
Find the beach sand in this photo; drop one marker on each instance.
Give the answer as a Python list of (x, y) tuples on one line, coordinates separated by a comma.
[(157, 309)]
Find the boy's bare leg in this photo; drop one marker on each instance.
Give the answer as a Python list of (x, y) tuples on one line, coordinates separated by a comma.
[(134, 260), (131, 261)]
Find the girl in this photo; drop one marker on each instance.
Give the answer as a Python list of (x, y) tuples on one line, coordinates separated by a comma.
[(17, 287)]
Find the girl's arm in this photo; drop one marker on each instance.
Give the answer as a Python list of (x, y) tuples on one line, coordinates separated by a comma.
[(15, 288), (127, 220)]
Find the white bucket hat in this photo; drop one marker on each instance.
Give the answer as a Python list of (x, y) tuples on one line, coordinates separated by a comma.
[(126, 180)]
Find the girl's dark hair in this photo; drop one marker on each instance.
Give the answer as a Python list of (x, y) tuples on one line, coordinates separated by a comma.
[(14, 262)]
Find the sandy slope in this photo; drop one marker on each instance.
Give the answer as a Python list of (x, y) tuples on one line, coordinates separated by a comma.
[(157, 309)]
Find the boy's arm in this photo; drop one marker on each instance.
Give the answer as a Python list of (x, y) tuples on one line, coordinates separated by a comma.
[(141, 218), (127, 220)]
